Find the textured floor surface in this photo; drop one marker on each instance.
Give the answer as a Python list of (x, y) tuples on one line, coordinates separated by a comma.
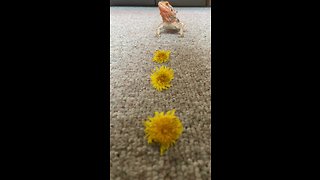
[(133, 99)]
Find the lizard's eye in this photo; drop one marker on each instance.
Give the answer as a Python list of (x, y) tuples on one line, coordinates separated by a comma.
[(167, 4)]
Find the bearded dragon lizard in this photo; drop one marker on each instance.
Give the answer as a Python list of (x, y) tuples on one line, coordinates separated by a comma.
[(170, 21)]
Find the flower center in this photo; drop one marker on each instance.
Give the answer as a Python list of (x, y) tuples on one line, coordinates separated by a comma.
[(161, 56), (165, 131), (163, 78)]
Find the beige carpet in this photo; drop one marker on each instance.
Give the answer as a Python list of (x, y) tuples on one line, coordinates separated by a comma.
[(133, 99)]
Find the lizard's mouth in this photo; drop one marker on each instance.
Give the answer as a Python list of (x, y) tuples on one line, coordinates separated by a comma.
[(165, 5), (167, 9), (162, 6)]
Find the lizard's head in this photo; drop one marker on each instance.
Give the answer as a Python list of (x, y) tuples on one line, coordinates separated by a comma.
[(166, 10)]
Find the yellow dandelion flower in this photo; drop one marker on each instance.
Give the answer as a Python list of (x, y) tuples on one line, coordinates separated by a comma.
[(161, 56), (164, 129), (162, 77)]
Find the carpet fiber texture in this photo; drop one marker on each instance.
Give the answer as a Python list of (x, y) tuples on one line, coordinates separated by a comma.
[(133, 99)]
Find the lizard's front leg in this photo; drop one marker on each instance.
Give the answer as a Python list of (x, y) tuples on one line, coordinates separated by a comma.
[(159, 30), (184, 27), (181, 31)]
